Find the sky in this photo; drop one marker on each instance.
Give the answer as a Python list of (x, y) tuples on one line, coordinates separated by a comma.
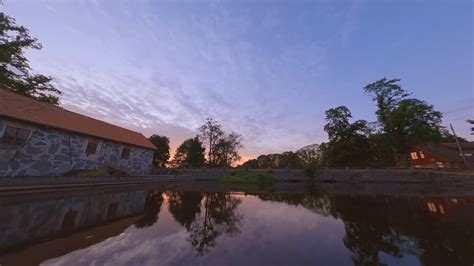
[(265, 69)]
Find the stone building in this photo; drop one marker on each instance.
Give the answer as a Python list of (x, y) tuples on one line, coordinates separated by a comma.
[(38, 139)]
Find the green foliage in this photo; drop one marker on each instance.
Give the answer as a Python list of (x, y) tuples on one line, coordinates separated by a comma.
[(348, 142), (245, 177), (382, 151), (402, 123), (471, 121), (15, 70), (405, 121), (190, 154), (162, 152)]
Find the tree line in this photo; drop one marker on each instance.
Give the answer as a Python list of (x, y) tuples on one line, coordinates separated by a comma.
[(402, 122), (222, 148)]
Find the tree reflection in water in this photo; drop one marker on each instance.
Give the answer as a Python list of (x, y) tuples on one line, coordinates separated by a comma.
[(184, 206), (152, 208), (395, 225), (219, 217)]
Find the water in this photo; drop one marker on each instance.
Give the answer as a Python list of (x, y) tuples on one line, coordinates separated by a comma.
[(302, 226)]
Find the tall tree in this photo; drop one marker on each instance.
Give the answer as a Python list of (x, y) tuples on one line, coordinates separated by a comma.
[(15, 70), (471, 121), (406, 121), (226, 150), (190, 154), (162, 152), (348, 142), (211, 132)]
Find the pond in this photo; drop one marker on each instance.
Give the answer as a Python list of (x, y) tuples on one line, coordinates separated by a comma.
[(304, 226)]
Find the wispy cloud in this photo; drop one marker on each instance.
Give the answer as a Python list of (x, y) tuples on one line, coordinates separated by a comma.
[(266, 71)]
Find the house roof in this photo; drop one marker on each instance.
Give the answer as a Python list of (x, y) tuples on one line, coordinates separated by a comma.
[(447, 151), (25, 109), (464, 145)]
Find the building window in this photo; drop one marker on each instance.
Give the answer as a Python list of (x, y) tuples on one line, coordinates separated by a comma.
[(92, 146), (125, 153), (422, 155), (15, 136), (431, 206), (414, 156)]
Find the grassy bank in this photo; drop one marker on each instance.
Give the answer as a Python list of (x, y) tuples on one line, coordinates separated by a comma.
[(243, 180)]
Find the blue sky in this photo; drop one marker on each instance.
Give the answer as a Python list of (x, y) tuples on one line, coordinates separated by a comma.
[(266, 69)]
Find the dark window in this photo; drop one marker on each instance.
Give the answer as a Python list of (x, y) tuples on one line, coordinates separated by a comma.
[(15, 136), (92, 146), (125, 153)]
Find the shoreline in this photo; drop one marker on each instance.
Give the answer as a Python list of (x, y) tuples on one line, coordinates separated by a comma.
[(207, 178)]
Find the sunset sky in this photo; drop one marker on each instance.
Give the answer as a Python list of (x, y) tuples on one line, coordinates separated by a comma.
[(267, 69)]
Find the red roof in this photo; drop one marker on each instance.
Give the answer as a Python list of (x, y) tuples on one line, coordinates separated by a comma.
[(22, 108)]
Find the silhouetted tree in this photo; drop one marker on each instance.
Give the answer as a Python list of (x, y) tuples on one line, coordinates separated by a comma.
[(223, 149), (191, 153), (15, 69), (348, 142), (406, 121), (211, 132), (162, 152), (226, 150)]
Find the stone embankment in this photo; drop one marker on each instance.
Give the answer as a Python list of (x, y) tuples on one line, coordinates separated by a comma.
[(336, 176)]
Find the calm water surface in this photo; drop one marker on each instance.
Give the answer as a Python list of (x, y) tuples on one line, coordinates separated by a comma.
[(154, 227)]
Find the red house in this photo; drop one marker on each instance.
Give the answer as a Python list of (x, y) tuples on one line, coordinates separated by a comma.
[(442, 156)]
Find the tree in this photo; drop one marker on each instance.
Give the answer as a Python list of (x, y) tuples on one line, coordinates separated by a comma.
[(309, 156), (223, 149), (190, 154), (211, 132), (348, 142), (471, 121), (15, 70), (406, 121), (162, 152), (226, 150), (250, 164)]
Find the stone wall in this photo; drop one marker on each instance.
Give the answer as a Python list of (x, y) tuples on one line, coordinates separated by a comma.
[(53, 152)]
